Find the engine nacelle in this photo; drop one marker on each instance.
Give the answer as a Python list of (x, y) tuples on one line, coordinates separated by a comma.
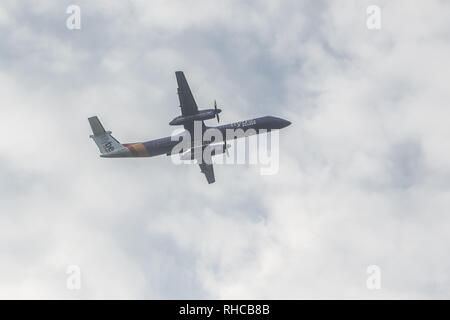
[(202, 115), (215, 150)]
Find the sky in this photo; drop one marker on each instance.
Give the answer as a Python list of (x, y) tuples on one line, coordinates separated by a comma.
[(364, 174)]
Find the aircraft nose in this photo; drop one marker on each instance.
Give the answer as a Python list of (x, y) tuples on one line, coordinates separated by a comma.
[(285, 123)]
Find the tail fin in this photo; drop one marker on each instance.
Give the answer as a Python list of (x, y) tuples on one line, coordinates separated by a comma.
[(106, 143)]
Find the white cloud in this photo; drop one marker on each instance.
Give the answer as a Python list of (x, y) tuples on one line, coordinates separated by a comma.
[(363, 169)]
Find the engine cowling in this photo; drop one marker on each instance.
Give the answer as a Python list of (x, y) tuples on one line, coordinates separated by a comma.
[(202, 115), (216, 149)]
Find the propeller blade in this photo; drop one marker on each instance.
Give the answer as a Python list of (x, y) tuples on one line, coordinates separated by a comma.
[(217, 113)]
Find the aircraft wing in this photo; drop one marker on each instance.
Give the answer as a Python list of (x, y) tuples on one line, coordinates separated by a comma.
[(208, 170), (187, 101)]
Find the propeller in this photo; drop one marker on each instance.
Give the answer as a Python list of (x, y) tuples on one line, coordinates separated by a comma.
[(217, 111), (226, 146)]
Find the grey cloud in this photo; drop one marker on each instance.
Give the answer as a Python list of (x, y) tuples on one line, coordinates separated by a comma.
[(363, 169)]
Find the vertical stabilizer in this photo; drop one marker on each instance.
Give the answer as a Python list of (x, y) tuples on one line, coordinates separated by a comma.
[(106, 143)]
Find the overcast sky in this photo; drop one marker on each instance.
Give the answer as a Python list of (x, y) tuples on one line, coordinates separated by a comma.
[(364, 174)]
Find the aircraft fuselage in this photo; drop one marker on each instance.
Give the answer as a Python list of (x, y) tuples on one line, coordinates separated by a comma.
[(165, 145)]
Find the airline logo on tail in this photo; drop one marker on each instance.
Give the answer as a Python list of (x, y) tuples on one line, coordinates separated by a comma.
[(106, 143), (108, 147)]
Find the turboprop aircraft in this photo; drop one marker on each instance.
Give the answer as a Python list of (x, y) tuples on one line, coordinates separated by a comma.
[(191, 118)]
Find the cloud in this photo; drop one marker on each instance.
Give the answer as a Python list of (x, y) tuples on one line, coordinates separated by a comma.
[(363, 178)]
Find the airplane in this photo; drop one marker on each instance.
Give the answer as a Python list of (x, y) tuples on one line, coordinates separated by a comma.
[(111, 148)]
